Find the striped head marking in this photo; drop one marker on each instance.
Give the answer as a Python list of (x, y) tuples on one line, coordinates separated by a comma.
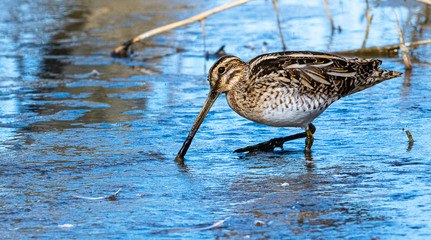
[(225, 73)]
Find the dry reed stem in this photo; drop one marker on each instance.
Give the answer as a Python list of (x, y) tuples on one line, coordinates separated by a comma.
[(203, 27), (274, 2), (410, 137), (203, 32), (425, 1), (404, 51), (218, 224), (382, 49), (121, 51), (325, 2), (369, 19), (110, 197)]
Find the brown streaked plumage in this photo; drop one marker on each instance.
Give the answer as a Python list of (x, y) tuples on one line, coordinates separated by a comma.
[(287, 89)]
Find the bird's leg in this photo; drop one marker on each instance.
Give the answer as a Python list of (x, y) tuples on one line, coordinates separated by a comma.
[(309, 138), (278, 142)]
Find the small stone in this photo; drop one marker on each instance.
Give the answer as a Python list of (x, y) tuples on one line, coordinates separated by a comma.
[(259, 223), (66, 226), (95, 73)]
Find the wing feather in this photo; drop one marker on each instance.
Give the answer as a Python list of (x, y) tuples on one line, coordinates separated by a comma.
[(312, 71)]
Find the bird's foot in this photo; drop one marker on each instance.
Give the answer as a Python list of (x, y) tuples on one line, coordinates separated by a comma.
[(267, 146)]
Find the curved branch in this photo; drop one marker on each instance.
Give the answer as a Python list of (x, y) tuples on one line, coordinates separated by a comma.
[(122, 51)]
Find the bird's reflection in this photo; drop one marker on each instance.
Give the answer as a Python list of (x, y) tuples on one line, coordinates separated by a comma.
[(309, 163)]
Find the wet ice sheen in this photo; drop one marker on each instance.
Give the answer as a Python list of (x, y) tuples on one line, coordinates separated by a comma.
[(66, 132)]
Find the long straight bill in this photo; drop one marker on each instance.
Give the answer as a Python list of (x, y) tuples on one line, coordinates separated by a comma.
[(212, 97)]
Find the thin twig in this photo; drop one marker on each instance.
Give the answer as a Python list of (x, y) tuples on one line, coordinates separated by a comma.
[(325, 2), (110, 197), (204, 41), (381, 50), (425, 1), (203, 32), (410, 137), (369, 19), (274, 2), (411, 141), (121, 51), (218, 224), (404, 51)]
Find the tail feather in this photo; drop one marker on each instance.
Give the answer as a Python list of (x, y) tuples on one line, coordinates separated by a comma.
[(379, 75), (386, 74), (369, 73)]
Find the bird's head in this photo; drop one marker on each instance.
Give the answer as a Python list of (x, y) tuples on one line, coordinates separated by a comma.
[(225, 73), (223, 76)]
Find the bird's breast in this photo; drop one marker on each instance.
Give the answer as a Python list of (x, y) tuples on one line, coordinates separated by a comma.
[(278, 107)]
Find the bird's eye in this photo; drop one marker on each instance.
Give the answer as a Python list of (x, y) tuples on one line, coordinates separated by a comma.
[(221, 70)]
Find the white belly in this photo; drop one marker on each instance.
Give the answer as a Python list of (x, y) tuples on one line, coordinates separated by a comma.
[(288, 109), (289, 117)]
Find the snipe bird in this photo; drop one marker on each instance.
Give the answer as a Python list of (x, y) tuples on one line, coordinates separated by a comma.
[(286, 89)]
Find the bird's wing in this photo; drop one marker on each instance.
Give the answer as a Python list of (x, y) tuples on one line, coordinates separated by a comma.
[(312, 71)]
